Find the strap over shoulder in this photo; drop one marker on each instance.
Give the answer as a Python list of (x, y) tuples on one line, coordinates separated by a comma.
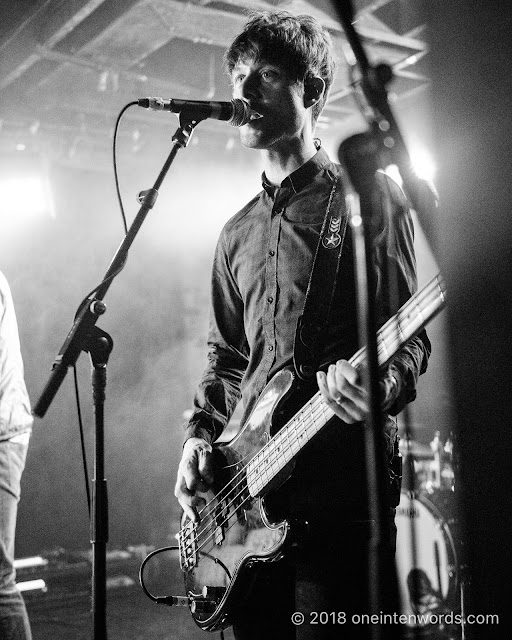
[(313, 323)]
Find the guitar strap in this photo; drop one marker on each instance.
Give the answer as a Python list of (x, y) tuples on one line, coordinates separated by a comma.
[(312, 325)]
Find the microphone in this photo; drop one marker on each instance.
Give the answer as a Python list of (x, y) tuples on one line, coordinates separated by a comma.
[(237, 112)]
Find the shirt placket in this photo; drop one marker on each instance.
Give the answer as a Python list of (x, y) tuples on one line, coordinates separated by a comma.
[(269, 315)]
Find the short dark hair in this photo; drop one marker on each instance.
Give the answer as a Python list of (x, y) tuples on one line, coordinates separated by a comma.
[(299, 44)]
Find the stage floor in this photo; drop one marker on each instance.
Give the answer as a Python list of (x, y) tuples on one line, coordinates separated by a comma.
[(130, 616)]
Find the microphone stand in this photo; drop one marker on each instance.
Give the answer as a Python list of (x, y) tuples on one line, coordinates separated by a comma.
[(362, 155), (382, 579), (377, 110), (85, 336)]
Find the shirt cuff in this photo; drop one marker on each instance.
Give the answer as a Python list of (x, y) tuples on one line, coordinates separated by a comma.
[(196, 431), (390, 389)]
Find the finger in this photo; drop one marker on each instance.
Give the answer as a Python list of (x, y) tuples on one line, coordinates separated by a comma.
[(346, 381), (334, 386), (191, 503), (189, 470), (205, 465), (342, 391), (354, 405), (186, 499), (342, 403), (349, 373), (336, 407), (189, 511)]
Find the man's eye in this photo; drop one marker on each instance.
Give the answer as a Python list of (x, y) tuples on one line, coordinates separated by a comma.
[(237, 79), (268, 75)]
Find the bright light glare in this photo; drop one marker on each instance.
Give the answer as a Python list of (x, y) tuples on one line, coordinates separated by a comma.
[(423, 163), (32, 585), (393, 172), (23, 198), (356, 220)]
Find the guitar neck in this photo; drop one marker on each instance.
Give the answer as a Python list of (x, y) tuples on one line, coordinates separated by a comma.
[(315, 414)]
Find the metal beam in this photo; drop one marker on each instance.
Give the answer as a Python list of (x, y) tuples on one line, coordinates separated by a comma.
[(47, 26)]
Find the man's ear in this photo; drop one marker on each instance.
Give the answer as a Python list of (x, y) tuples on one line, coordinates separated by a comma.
[(313, 91)]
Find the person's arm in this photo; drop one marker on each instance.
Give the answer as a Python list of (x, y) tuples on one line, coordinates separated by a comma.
[(395, 285), (396, 282), (219, 388)]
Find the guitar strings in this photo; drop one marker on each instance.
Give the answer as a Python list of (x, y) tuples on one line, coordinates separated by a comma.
[(289, 445), (392, 327), (275, 446), (284, 442), (214, 525), (285, 431), (275, 443)]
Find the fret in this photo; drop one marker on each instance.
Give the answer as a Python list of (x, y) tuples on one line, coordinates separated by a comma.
[(384, 347), (399, 331)]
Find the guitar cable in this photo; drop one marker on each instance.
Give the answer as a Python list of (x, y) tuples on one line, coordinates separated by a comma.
[(170, 601), (167, 600)]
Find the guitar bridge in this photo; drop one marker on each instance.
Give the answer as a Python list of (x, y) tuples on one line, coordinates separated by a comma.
[(187, 541)]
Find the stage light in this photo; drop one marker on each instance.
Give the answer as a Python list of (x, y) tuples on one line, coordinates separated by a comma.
[(29, 566), (32, 585), (393, 172), (25, 191), (30, 563), (423, 163), (24, 197)]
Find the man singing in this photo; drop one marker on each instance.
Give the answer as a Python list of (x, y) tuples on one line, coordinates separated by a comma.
[(283, 66)]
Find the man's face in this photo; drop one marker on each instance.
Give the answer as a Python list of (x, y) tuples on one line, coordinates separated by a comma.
[(280, 100)]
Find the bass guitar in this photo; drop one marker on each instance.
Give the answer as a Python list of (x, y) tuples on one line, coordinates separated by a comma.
[(236, 530)]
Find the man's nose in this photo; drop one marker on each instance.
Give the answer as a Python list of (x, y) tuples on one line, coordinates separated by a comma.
[(249, 87)]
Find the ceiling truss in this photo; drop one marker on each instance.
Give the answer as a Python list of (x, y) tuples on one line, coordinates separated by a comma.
[(68, 68)]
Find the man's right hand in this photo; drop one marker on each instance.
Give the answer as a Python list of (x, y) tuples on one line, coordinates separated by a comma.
[(195, 473)]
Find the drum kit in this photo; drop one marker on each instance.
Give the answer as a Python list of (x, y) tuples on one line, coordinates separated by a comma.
[(428, 555)]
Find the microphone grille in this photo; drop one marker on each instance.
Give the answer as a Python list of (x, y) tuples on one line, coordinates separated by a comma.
[(241, 113)]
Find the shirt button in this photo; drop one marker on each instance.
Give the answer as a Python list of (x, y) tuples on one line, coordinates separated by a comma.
[(271, 253), (270, 299), (270, 347)]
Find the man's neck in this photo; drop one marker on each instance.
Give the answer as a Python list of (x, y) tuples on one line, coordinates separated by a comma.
[(279, 164)]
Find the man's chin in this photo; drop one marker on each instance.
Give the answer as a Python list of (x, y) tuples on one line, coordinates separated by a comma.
[(251, 139)]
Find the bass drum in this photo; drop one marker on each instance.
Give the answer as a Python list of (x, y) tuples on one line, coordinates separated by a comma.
[(426, 560)]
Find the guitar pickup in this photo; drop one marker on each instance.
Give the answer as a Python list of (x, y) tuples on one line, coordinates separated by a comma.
[(219, 535)]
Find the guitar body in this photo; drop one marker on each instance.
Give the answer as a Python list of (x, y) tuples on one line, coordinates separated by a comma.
[(236, 530)]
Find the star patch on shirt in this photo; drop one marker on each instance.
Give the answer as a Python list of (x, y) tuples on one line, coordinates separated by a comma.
[(332, 239)]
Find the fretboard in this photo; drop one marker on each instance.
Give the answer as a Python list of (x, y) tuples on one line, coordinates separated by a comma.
[(315, 414)]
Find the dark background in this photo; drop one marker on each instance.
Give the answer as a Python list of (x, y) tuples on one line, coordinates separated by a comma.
[(470, 65)]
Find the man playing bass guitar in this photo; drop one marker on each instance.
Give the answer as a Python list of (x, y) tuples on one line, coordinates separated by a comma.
[(283, 66)]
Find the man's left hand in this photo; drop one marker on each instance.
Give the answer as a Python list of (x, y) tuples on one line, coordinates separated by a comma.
[(343, 393)]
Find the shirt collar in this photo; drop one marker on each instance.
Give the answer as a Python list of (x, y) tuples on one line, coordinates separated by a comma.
[(301, 176)]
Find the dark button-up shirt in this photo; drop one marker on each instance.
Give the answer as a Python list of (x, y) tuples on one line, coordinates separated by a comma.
[(261, 270)]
